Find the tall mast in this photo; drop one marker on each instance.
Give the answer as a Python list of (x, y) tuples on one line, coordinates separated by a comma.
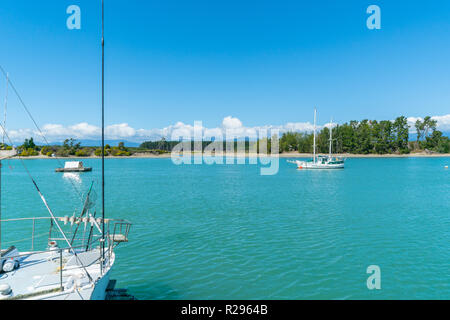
[(314, 147), (103, 135), (6, 105), (331, 137), (3, 141)]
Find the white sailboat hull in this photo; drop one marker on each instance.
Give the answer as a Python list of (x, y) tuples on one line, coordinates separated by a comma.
[(318, 165), (39, 277), (99, 292)]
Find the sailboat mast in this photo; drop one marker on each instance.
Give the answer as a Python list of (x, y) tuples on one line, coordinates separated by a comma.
[(103, 135), (3, 141), (331, 136), (314, 146)]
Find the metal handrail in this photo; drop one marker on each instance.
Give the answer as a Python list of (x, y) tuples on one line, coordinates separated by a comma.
[(27, 254), (60, 219), (72, 220)]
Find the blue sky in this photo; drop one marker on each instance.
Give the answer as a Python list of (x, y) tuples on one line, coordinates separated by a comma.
[(260, 62)]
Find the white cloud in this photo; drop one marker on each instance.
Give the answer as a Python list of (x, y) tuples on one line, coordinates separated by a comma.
[(79, 131), (119, 131), (299, 127), (19, 135), (443, 122), (85, 129), (230, 125)]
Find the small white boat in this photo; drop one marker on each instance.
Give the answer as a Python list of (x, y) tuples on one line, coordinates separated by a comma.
[(74, 166), (321, 161)]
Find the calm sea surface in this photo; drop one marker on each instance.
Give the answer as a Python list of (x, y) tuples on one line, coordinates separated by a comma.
[(226, 232)]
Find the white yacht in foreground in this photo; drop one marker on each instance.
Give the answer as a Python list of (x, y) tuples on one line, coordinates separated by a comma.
[(321, 161), (71, 272), (66, 258)]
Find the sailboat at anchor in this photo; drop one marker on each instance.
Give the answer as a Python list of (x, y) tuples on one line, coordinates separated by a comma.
[(321, 161)]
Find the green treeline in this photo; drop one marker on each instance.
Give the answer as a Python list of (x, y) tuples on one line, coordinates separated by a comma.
[(164, 146), (371, 137), (70, 148), (356, 137), (363, 137)]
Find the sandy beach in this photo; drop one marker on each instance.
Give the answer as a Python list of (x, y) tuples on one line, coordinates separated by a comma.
[(348, 155), (247, 155)]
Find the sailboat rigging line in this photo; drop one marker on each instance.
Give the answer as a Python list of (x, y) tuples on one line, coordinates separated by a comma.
[(83, 212), (37, 127), (49, 210), (91, 232), (60, 230)]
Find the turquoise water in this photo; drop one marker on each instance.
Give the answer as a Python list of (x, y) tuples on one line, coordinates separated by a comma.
[(226, 232)]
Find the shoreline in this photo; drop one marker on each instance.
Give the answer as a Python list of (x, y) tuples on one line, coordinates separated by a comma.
[(253, 155), (350, 155)]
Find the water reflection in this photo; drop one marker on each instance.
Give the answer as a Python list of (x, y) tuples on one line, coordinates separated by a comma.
[(75, 177)]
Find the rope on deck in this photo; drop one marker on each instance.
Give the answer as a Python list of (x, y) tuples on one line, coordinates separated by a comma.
[(34, 294)]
